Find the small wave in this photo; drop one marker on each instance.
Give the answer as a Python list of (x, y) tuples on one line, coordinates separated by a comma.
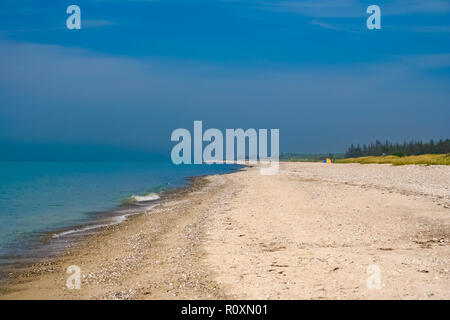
[(116, 220), (148, 197)]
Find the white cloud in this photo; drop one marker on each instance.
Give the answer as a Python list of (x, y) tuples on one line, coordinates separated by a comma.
[(349, 8), (97, 23), (337, 27), (401, 7)]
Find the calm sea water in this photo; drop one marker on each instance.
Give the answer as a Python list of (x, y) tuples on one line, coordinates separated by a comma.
[(37, 198)]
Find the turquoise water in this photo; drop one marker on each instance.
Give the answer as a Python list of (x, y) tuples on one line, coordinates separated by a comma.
[(40, 197)]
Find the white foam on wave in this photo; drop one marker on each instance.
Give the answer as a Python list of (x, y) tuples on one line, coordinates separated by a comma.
[(148, 197), (114, 221)]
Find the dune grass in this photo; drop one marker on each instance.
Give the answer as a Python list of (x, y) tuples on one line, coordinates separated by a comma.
[(424, 159)]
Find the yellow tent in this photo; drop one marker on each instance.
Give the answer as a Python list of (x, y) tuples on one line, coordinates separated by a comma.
[(327, 160)]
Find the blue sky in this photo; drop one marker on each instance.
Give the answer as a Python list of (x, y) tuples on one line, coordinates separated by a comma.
[(139, 69)]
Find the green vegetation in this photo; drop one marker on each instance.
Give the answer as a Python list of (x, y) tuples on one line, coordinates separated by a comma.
[(414, 152), (406, 149), (424, 159), (306, 157)]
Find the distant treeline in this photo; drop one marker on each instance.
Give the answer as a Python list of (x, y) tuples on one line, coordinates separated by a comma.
[(406, 149), (308, 157)]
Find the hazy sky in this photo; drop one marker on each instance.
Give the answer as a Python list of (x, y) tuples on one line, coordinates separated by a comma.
[(137, 70)]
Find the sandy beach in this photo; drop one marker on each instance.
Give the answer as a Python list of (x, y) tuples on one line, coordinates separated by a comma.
[(312, 231)]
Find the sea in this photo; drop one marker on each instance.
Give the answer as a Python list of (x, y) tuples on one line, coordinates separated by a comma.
[(45, 206)]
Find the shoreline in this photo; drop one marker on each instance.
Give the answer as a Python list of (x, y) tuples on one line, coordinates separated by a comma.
[(52, 244), (20, 284), (309, 232), (48, 205)]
